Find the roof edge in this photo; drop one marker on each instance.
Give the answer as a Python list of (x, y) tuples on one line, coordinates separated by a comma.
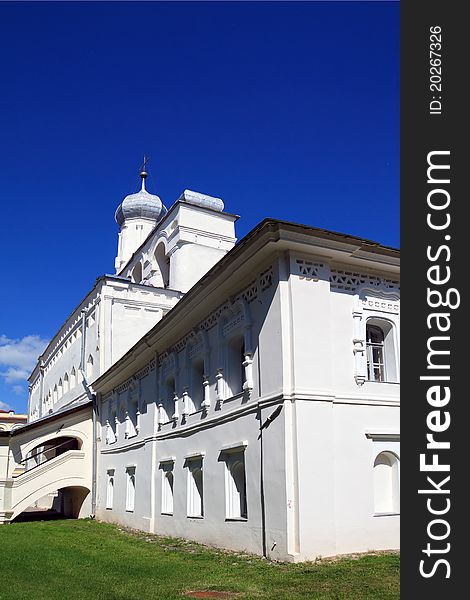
[(270, 227)]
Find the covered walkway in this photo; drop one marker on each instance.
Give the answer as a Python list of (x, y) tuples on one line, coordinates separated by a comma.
[(47, 466)]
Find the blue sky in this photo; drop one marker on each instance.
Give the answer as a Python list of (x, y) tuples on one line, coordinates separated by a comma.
[(286, 110)]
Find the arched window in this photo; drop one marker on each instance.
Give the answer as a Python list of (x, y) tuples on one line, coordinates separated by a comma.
[(60, 389), (386, 483), (54, 395), (161, 267), (236, 370), (89, 366), (73, 378), (381, 352), (235, 492), (66, 383)]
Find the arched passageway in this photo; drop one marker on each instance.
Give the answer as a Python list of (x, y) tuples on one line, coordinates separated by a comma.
[(69, 502)]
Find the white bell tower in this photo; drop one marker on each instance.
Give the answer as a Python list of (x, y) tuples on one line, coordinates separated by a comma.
[(136, 216)]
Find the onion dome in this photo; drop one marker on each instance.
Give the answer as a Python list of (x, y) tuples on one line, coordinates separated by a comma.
[(141, 205)]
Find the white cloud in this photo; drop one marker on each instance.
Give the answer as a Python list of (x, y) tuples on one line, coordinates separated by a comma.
[(19, 356), (13, 374), (4, 406)]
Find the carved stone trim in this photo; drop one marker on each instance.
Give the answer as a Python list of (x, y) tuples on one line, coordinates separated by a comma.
[(307, 269), (143, 372), (375, 300), (351, 281)]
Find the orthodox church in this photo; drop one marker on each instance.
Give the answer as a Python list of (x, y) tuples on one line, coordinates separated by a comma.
[(243, 395)]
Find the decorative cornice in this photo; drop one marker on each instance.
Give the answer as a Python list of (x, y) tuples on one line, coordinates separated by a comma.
[(352, 280)]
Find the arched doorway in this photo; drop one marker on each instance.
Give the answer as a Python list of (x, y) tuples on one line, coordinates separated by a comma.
[(70, 502)]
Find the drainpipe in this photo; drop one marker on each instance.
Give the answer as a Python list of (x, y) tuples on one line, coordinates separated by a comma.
[(277, 411), (261, 484), (92, 397), (93, 459)]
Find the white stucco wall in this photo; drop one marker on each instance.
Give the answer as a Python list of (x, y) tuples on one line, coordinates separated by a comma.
[(315, 453), (333, 411), (335, 478), (297, 309), (117, 314)]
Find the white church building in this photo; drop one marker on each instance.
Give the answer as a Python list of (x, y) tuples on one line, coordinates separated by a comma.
[(243, 395)]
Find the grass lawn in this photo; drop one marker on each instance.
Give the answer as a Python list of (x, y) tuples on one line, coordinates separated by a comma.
[(84, 559)]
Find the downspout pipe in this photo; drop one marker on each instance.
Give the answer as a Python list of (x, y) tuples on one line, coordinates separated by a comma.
[(262, 427), (92, 397)]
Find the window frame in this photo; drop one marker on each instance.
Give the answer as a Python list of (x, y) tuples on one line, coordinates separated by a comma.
[(195, 465), (388, 346), (167, 468), (393, 502), (131, 485), (371, 348), (110, 486), (236, 502), (383, 441)]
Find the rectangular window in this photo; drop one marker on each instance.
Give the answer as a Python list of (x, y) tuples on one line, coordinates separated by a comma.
[(110, 489), (130, 489), (167, 487), (195, 496), (235, 486)]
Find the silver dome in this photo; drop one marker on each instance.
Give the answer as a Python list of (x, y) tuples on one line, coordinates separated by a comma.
[(203, 200), (141, 205)]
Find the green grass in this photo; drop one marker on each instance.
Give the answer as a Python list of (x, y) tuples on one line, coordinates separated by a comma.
[(88, 560)]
